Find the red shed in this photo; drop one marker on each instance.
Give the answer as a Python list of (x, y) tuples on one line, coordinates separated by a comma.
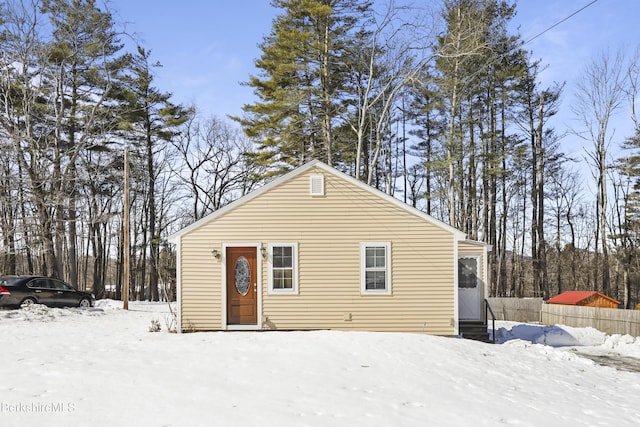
[(584, 298)]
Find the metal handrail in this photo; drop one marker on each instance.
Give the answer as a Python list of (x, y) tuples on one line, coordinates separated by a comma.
[(487, 310)]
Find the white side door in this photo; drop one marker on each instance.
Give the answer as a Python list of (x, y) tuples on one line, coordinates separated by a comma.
[(469, 292)]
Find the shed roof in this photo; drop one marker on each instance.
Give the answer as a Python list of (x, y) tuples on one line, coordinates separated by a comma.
[(575, 297)]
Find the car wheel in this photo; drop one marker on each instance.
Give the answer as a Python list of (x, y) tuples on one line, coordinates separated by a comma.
[(28, 302), (84, 302)]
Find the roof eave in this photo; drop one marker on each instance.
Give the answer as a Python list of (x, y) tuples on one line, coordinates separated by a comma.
[(175, 237), (459, 235)]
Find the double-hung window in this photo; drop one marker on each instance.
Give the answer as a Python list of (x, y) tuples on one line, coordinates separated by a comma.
[(283, 268), (375, 268)]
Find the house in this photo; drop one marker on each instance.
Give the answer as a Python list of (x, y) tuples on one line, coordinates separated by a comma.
[(318, 249), (585, 299)]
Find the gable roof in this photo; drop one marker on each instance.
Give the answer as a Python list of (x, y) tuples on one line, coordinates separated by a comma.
[(576, 297), (328, 169)]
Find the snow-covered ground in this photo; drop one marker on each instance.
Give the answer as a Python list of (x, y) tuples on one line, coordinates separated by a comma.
[(582, 340), (102, 367)]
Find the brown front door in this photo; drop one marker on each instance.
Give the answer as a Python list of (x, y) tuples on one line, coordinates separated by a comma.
[(242, 299)]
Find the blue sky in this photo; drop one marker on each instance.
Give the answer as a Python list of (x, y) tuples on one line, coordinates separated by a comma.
[(207, 47), (565, 50)]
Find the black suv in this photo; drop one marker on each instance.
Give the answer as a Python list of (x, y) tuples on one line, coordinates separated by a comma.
[(17, 291)]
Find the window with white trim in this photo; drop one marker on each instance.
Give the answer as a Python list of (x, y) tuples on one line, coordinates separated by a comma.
[(375, 268), (283, 268)]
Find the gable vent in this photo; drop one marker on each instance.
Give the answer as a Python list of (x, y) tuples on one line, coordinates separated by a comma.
[(316, 185)]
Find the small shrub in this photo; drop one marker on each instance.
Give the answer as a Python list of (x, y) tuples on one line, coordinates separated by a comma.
[(155, 326)]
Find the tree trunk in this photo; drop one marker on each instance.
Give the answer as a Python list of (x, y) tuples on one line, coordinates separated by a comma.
[(153, 238), (606, 285), (326, 96), (540, 181)]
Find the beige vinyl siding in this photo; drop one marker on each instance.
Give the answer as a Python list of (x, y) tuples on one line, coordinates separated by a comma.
[(328, 231), (201, 299)]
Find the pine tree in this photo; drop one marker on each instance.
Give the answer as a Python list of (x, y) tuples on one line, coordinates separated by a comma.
[(148, 119), (82, 53), (63, 52), (303, 73)]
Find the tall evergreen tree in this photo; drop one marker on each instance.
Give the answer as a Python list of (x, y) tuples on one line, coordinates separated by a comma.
[(538, 106), (59, 84), (303, 73), (82, 53), (428, 115), (149, 119), (460, 51)]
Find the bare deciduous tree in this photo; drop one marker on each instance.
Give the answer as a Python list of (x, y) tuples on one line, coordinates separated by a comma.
[(599, 95), (212, 164)]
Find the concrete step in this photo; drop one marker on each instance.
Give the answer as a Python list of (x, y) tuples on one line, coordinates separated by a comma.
[(474, 330)]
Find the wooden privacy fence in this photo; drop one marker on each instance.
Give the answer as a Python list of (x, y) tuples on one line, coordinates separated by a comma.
[(516, 309), (608, 320)]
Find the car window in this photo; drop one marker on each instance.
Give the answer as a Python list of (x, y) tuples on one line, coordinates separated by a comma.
[(39, 283), (9, 281), (56, 284)]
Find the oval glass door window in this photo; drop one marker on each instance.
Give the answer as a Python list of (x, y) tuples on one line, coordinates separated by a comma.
[(243, 275)]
